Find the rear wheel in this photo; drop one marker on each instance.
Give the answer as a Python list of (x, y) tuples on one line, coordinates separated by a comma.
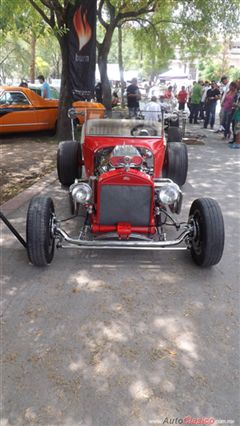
[(174, 134), (69, 160), (40, 238), (208, 236), (176, 162)]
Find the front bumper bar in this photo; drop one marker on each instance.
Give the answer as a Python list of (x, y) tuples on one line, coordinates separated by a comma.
[(123, 244)]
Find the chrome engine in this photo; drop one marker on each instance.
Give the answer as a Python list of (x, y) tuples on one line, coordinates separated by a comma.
[(126, 156)]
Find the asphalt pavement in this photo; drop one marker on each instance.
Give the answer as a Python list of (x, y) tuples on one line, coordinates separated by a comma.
[(119, 338)]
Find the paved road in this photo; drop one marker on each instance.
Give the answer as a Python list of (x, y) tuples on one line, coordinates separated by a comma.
[(125, 338)]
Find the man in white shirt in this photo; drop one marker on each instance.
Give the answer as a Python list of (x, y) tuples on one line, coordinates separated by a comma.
[(152, 110)]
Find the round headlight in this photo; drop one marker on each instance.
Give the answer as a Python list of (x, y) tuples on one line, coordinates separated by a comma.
[(81, 193), (169, 194)]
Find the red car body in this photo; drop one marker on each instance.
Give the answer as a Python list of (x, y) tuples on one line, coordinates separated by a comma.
[(92, 144), (123, 178), (129, 194)]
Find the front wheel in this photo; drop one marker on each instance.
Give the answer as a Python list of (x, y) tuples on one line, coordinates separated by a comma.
[(40, 238), (208, 232)]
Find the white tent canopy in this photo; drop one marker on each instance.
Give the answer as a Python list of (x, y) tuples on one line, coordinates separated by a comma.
[(171, 75), (114, 74)]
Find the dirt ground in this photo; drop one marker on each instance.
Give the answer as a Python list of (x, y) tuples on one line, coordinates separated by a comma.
[(24, 160)]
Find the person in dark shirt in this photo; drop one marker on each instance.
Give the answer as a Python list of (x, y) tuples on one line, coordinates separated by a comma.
[(212, 97), (98, 93), (133, 97), (23, 83)]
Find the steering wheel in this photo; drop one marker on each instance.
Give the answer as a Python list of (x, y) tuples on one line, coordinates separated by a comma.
[(143, 130)]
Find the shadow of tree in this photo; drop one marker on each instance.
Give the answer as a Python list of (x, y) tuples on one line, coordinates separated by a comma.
[(124, 338)]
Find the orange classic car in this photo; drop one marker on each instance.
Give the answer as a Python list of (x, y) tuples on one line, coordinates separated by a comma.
[(22, 110)]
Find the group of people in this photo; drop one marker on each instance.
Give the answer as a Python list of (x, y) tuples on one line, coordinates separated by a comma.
[(45, 88), (203, 101)]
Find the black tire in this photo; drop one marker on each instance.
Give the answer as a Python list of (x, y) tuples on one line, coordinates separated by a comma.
[(40, 241), (68, 162), (174, 122), (174, 134), (176, 162), (208, 239)]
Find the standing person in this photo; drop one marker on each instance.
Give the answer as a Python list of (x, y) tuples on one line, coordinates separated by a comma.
[(213, 94), (169, 93), (228, 109), (23, 84), (45, 89), (163, 105), (98, 92), (224, 89), (235, 143), (206, 87), (182, 98), (174, 89), (133, 98), (195, 102), (152, 110), (115, 99), (189, 90)]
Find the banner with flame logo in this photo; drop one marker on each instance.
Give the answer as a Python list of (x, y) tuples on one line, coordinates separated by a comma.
[(82, 49)]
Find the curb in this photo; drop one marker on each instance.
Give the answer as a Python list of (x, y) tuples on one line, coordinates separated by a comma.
[(11, 205)]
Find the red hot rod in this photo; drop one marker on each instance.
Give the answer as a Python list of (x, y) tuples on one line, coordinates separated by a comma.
[(130, 193)]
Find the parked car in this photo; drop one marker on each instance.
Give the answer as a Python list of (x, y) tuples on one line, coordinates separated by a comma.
[(22, 110), (127, 203)]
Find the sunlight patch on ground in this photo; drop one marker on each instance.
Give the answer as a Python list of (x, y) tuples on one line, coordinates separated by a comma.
[(185, 343), (115, 333), (75, 366), (177, 332), (87, 284), (139, 390)]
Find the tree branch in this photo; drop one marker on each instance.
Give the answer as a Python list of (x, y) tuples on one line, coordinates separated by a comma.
[(162, 21), (99, 14), (56, 5), (135, 13), (50, 21), (7, 55), (111, 9), (123, 5)]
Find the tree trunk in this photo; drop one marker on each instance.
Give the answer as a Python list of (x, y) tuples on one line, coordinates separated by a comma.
[(153, 72), (120, 62), (103, 52), (106, 88), (33, 57), (65, 101)]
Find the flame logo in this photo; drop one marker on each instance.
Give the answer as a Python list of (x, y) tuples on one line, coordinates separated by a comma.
[(82, 27)]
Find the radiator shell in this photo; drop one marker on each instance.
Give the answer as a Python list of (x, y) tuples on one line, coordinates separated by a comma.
[(124, 197)]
